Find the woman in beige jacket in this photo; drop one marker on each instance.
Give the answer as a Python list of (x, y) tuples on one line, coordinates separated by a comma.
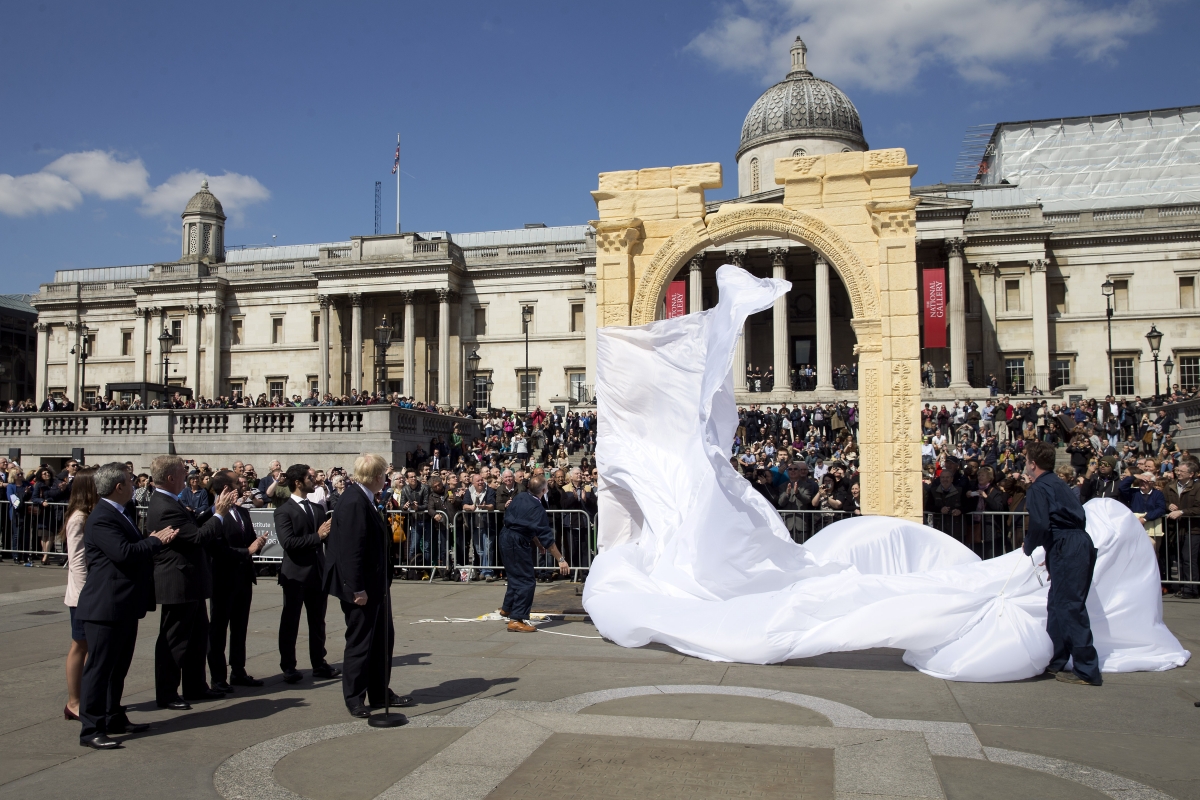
[(83, 500)]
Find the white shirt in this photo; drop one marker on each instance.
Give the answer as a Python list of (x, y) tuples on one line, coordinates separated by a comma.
[(319, 496)]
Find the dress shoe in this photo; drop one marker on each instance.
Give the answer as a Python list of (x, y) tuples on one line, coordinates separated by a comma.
[(207, 694), (325, 672), (178, 704), (245, 680), (68, 714), (292, 676), (1067, 676), (127, 727), (222, 686), (100, 742), (504, 612), (396, 701), (517, 626), (362, 711)]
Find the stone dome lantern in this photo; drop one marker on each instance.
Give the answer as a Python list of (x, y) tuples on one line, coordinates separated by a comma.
[(800, 115), (204, 227)]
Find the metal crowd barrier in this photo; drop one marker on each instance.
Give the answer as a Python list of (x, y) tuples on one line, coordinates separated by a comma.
[(475, 543), (988, 533), (24, 528), (1178, 551), (803, 525), (422, 543)]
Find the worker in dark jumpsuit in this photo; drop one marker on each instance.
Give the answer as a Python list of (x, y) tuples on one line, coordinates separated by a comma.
[(525, 520), (1056, 523)]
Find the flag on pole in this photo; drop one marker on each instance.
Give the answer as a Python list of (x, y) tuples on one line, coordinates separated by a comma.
[(396, 163)]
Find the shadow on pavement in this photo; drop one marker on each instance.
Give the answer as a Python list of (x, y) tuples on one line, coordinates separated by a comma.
[(460, 687), (257, 708)]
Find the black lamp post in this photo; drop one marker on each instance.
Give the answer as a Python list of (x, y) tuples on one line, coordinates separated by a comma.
[(84, 331), (473, 367), (383, 337), (1109, 289), (1154, 337), (526, 318), (1168, 368), (165, 340)]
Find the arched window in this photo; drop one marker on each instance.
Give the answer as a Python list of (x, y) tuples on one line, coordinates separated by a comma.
[(754, 181), (799, 151), (847, 150)]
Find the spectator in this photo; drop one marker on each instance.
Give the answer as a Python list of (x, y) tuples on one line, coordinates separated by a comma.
[(83, 500), (194, 496)]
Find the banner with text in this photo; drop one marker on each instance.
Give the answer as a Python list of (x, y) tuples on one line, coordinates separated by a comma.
[(676, 299), (933, 289)]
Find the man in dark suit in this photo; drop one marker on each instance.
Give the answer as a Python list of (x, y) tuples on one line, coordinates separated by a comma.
[(120, 592), (478, 503), (358, 574), (574, 528), (182, 582), (233, 590), (301, 528)]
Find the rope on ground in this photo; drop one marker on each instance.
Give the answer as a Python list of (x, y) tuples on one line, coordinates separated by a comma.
[(534, 619)]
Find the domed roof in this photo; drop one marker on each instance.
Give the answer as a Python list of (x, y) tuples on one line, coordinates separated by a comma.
[(801, 106), (204, 202)]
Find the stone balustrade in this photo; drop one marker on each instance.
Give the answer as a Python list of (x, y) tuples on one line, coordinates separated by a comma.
[(322, 436)]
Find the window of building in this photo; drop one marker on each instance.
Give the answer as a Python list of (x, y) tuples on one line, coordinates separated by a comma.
[(577, 318), (432, 384), (1189, 372), (237, 388), (1121, 295), (967, 287), (397, 319), (480, 321), (480, 393), (579, 392), (126, 343), (276, 330), (1012, 295), (1058, 298), (754, 177), (176, 332), (1014, 375), (1123, 376), (235, 331), (529, 381), (1060, 373), (275, 387), (89, 394), (316, 327), (799, 151), (395, 386), (1187, 292)]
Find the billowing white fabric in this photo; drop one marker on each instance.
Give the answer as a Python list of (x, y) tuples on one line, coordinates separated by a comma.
[(693, 557)]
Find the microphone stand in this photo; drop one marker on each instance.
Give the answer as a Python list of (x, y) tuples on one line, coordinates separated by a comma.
[(386, 720)]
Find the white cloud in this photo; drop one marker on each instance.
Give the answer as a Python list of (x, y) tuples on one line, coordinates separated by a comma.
[(233, 190), (40, 192), (99, 173), (62, 183), (884, 45)]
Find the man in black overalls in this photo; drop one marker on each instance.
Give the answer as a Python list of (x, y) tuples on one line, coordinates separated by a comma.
[(525, 520), (1056, 522)]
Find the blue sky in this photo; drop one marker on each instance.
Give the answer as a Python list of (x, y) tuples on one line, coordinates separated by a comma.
[(110, 113)]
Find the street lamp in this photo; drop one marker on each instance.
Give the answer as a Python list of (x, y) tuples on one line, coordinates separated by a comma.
[(1154, 337), (84, 331), (383, 337), (1109, 288), (526, 318), (473, 367), (1168, 368), (165, 340)]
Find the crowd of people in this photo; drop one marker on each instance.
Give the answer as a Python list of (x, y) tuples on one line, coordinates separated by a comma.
[(803, 378), (179, 400)]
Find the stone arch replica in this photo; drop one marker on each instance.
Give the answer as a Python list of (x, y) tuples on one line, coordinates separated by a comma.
[(855, 210)]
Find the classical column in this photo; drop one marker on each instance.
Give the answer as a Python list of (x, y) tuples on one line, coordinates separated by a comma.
[(589, 326), (736, 257), (696, 284), (43, 352), (323, 343), (193, 349), (443, 398), (142, 320), (1041, 326), (958, 315), (779, 330), (987, 296), (410, 346), (824, 343), (213, 313), (73, 363), (356, 341)]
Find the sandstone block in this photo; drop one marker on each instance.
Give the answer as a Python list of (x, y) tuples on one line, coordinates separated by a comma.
[(663, 228), (654, 178), (843, 164), (845, 215), (657, 204), (905, 347), (903, 324), (705, 176), (623, 181), (690, 201), (902, 277), (799, 168), (904, 302), (802, 195), (615, 205)]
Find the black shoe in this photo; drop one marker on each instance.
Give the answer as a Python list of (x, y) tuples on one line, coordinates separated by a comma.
[(222, 686), (292, 676), (100, 742), (325, 672), (178, 704), (245, 680), (127, 727), (361, 711), (208, 694), (396, 701)]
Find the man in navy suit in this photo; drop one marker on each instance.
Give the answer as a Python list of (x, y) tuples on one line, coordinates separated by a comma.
[(119, 593), (358, 573)]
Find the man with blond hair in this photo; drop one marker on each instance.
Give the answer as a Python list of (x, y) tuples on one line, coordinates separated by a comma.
[(359, 574)]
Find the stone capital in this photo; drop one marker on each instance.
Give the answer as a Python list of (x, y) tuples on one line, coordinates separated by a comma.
[(1038, 264), (41, 327), (954, 246), (324, 300), (696, 263), (987, 267), (408, 297), (736, 257), (214, 308), (589, 286), (192, 308), (617, 236), (356, 299), (778, 256), (443, 295)]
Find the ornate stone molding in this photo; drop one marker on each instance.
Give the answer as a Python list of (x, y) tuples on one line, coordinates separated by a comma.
[(737, 257), (954, 246), (891, 218), (443, 295), (778, 256), (617, 237), (356, 299), (408, 297), (324, 300), (192, 308), (696, 263), (41, 326), (589, 287), (214, 308), (988, 267), (1038, 264)]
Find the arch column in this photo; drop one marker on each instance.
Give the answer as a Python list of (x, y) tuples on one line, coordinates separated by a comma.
[(356, 341), (142, 317), (410, 346), (782, 361), (696, 284), (824, 328), (958, 315)]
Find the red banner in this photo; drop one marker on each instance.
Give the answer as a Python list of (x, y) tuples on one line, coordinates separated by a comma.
[(676, 299), (933, 291)]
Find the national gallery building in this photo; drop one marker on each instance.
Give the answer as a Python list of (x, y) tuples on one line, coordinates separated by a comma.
[(1064, 232)]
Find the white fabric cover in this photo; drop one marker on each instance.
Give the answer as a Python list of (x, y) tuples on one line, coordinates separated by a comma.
[(693, 557)]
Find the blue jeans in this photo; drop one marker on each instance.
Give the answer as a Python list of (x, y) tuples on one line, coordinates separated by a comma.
[(418, 541), (483, 541)]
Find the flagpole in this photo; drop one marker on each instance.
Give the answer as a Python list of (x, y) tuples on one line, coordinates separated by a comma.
[(397, 183)]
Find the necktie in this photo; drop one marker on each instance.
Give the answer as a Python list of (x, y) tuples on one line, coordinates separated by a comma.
[(311, 517)]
